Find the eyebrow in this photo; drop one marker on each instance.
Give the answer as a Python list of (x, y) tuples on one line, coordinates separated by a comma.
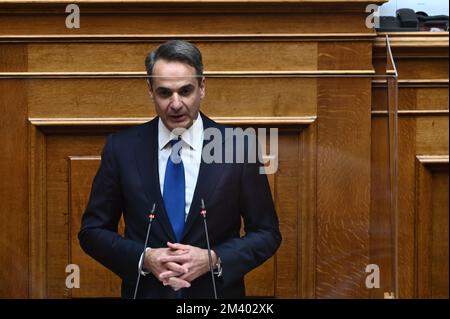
[(187, 86)]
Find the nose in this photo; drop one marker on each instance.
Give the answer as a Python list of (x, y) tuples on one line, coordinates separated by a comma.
[(177, 101)]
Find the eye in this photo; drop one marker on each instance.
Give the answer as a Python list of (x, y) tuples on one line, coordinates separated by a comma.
[(164, 93), (185, 91)]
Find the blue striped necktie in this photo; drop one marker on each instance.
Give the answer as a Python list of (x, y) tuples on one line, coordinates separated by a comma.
[(174, 189)]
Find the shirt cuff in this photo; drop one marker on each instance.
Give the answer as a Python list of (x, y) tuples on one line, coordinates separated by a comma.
[(141, 262)]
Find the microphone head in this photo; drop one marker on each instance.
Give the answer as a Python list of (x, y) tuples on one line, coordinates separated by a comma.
[(203, 209)]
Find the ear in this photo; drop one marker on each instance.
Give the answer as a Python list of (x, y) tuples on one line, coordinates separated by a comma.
[(202, 88)]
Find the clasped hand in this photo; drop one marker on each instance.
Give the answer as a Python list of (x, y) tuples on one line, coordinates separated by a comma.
[(178, 265)]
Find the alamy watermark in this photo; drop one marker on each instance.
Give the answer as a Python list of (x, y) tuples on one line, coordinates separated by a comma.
[(73, 19), (235, 145), (373, 19)]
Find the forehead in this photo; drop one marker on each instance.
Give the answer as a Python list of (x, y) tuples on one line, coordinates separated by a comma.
[(173, 74)]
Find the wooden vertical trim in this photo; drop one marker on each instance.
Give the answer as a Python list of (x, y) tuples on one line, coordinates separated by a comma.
[(307, 212), (37, 207)]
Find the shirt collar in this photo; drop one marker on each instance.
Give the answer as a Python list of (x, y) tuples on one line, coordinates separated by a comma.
[(193, 136)]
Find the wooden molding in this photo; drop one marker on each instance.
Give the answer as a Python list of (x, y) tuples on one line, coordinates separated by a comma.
[(377, 82), (432, 159), (275, 120), (413, 40), (37, 207), (186, 6), (208, 74), (128, 38), (413, 112)]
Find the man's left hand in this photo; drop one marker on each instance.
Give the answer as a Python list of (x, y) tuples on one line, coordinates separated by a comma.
[(195, 260)]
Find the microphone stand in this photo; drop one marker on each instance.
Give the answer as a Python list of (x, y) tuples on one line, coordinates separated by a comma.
[(203, 213), (151, 216)]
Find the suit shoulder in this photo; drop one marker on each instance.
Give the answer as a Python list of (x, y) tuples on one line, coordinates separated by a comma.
[(127, 137)]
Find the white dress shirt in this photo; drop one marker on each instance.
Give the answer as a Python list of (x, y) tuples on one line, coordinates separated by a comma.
[(191, 155)]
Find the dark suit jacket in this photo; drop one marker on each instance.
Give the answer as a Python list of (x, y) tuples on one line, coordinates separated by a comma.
[(128, 182)]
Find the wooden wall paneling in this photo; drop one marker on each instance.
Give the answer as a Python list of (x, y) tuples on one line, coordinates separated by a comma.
[(421, 98), (180, 23), (432, 227), (432, 135), (219, 53), (307, 228), (261, 281), (38, 213), (345, 55), (118, 98), (406, 193), (59, 149), (287, 184), (95, 280), (14, 237), (382, 240), (343, 187), (422, 68)]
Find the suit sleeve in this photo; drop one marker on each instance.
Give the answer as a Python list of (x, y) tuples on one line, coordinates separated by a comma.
[(262, 236), (98, 234)]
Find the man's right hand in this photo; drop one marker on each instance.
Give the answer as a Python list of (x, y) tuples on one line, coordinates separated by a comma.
[(152, 263)]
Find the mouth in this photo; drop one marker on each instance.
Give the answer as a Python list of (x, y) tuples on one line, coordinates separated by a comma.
[(177, 118)]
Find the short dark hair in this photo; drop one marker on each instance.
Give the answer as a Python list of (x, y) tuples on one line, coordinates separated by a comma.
[(176, 50)]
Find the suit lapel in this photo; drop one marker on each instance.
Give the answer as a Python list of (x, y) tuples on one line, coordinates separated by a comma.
[(208, 176), (146, 153)]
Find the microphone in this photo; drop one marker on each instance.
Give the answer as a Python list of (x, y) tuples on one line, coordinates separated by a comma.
[(151, 216), (203, 213)]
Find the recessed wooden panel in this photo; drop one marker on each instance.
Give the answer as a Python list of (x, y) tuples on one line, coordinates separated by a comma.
[(432, 135), (406, 193), (95, 280), (421, 68), (58, 218), (129, 97), (13, 57), (420, 98), (345, 55), (343, 187), (432, 230), (432, 98), (439, 231), (182, 23), (129, 57), (14, 236)]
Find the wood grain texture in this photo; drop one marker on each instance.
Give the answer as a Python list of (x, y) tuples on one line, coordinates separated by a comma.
[(382, 227), (129, 98), (37, 212), (14, 236), (345, 55), (431, 228), (181, 23), (432, 135), (95, 280), (406, 195), (429, 98), (13, 190), (307, 228), (287, 185), (218, 54), (59, 148), (343, 187)]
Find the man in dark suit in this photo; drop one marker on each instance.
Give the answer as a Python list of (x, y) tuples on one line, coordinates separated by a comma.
[(162, 162)]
